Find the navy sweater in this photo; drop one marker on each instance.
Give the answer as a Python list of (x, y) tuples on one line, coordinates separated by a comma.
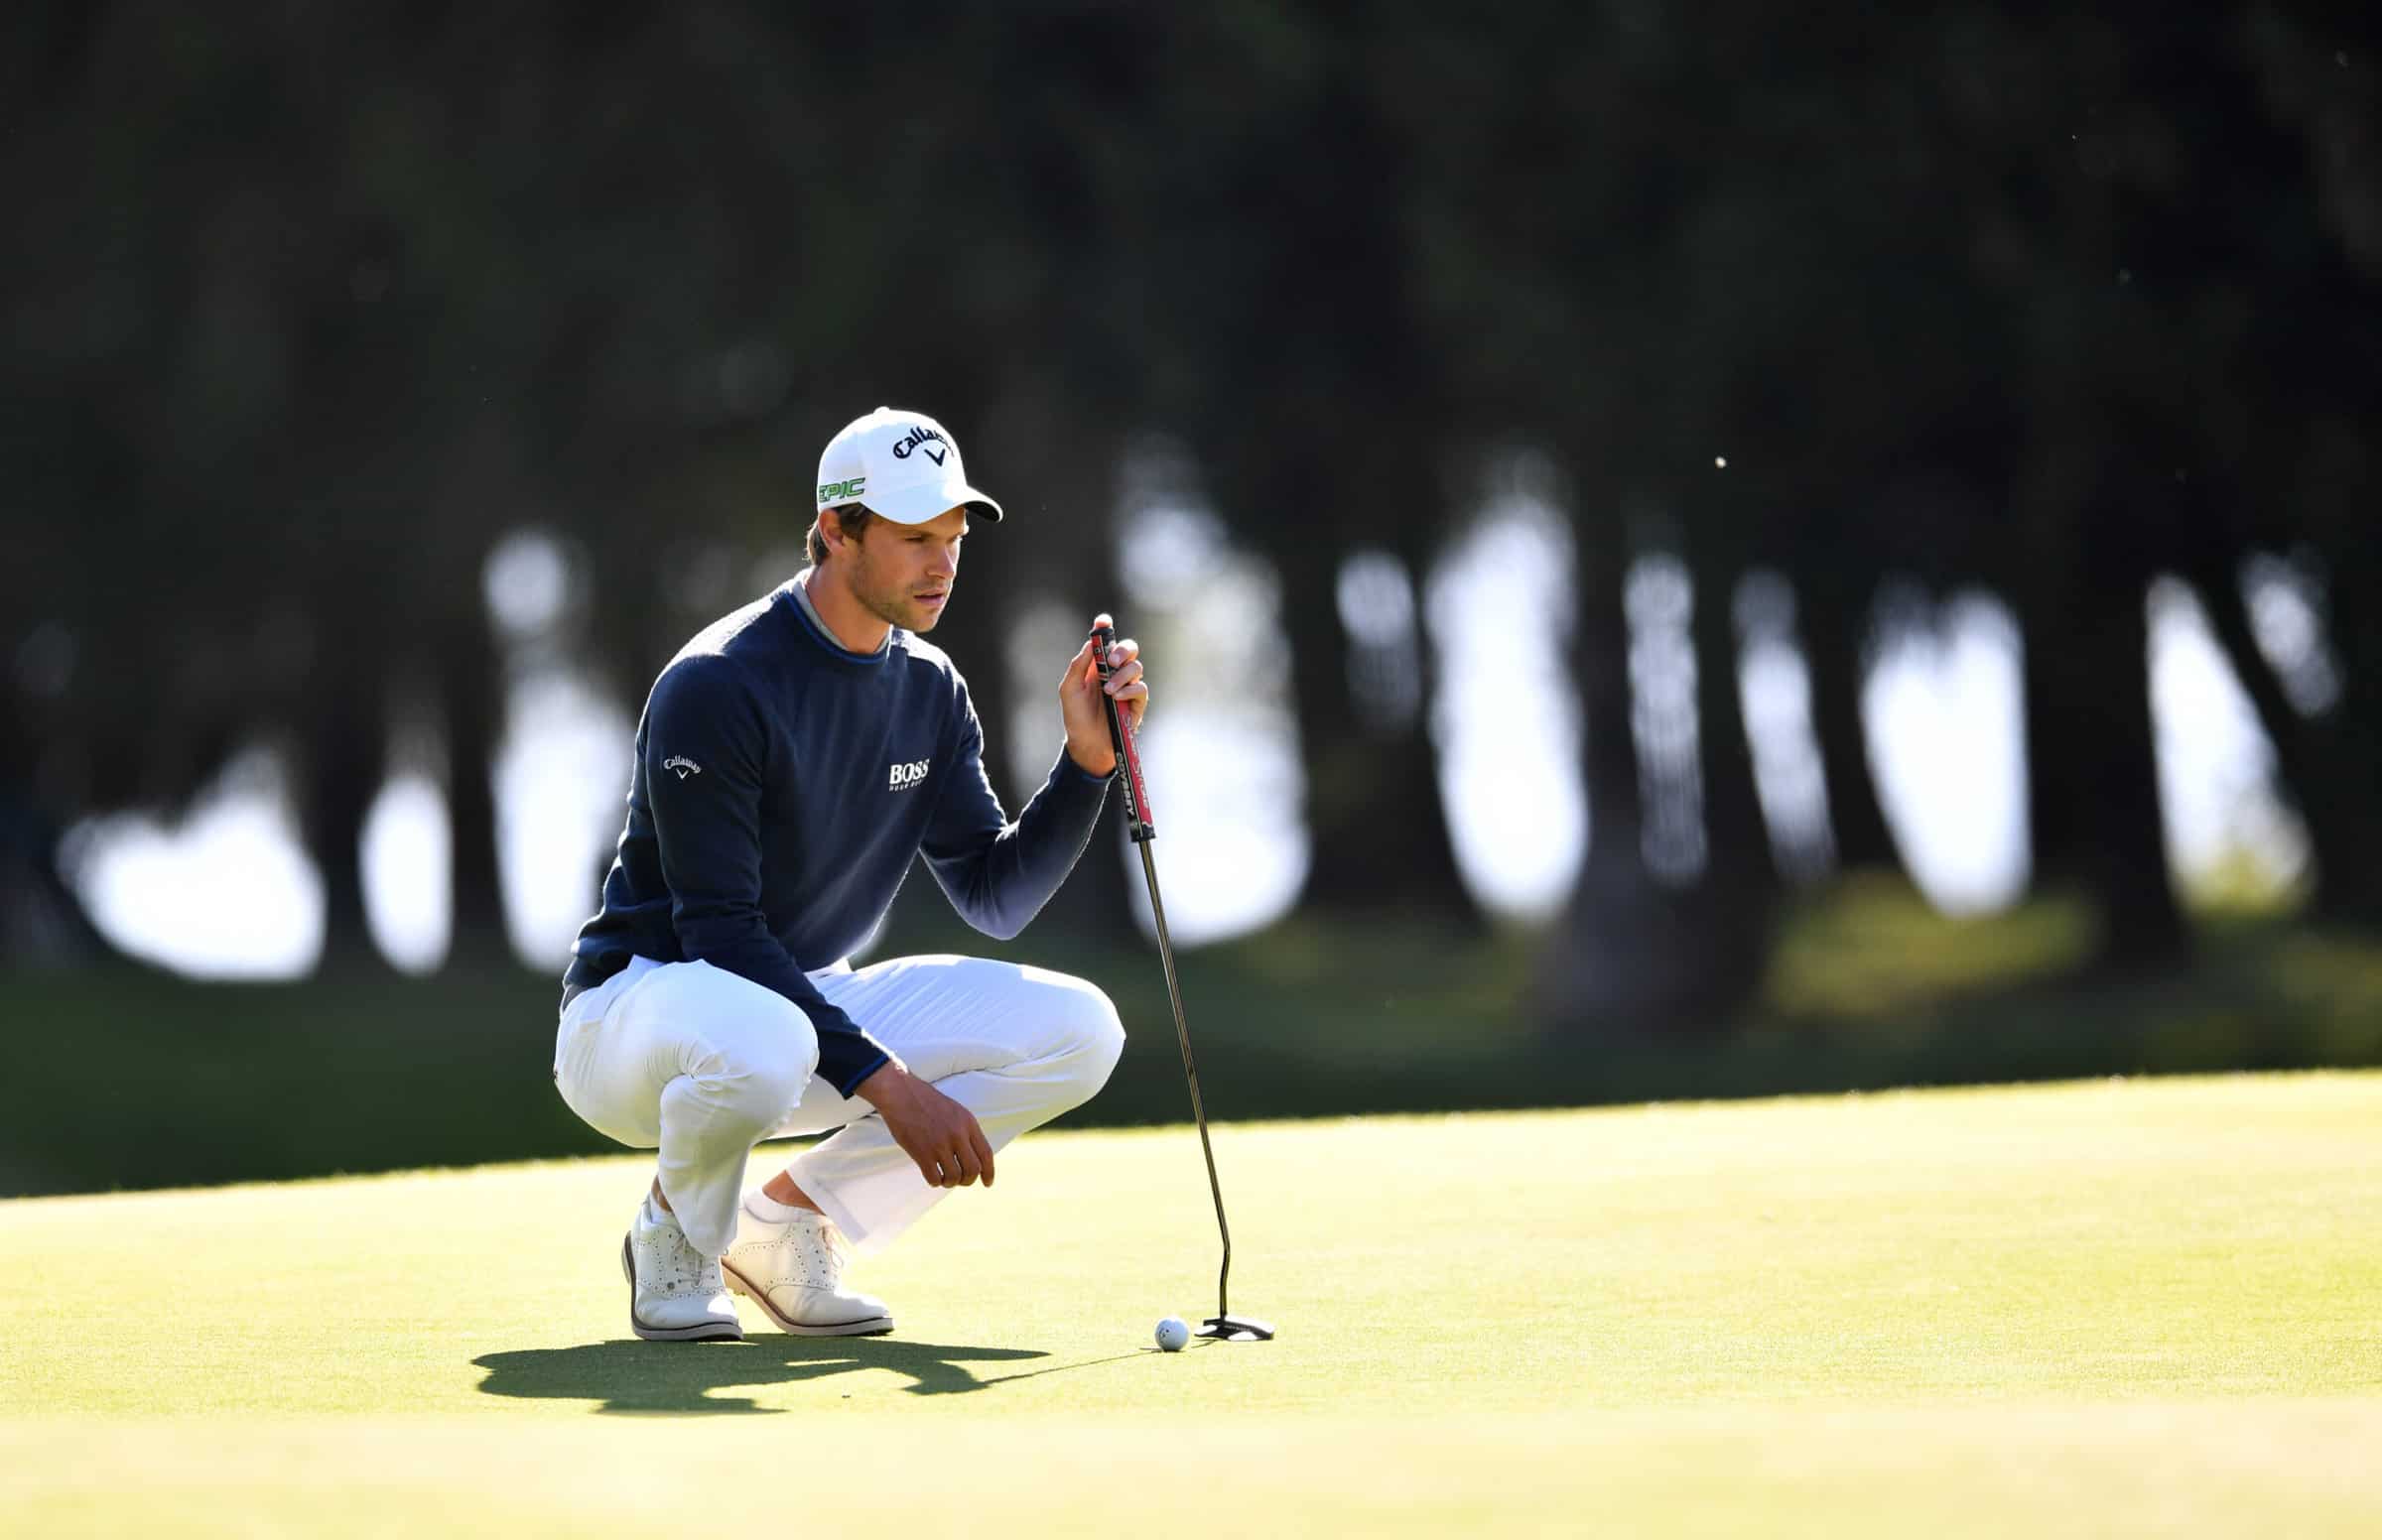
[(782, 787)]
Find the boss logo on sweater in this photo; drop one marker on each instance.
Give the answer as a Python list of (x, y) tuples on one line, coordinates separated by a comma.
[(902, 778), (683, 765)]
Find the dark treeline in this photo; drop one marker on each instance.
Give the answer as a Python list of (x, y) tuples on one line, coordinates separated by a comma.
[(311, 306)]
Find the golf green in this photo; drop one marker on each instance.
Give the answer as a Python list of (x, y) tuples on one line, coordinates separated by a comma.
[(2138, 1306)]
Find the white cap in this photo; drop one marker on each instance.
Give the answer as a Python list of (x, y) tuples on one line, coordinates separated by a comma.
[(899, 466)]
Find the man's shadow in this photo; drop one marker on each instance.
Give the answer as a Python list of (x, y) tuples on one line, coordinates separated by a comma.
[(629, 1376)]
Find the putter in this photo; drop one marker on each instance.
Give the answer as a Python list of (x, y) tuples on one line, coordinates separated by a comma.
[(1223, 1325)]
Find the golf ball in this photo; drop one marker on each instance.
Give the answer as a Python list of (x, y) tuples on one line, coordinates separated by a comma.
[(1173, 1332)]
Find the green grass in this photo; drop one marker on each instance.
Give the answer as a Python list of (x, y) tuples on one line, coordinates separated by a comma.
[(1868, 988), (1872, 951), (1867, 962), (2133, 1307)]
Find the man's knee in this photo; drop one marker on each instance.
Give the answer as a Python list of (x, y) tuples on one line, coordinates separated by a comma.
[(772, 1082), (753, 1074), (1094, 1035)]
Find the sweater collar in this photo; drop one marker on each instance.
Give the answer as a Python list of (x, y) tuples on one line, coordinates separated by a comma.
[(806, 613)]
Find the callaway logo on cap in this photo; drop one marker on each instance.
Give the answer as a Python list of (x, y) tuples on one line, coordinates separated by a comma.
[(899, 466)]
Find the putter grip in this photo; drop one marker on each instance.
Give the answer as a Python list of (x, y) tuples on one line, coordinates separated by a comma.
[(1121, 735)]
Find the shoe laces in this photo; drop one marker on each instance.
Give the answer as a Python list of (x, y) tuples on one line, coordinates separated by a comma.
[(839, 1251), (826, 1249), (681, 1268)]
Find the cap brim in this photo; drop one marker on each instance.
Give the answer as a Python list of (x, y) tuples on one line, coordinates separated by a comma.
[(923, 504)]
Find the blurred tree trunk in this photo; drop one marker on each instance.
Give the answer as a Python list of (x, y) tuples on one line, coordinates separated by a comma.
[(1376, 828), (2096, 495), (1332, 441), (2303, 775), (1097, 899), (1414, 791), (2092, 773), (1063, 540), (2327, 765), (342, 762), (1834, 628), (2338, 475), (2352, 887), (469, 682), (1633, 955), (1736, 899)]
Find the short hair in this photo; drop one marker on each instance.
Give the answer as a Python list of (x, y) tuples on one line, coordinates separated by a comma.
[(850, 518)]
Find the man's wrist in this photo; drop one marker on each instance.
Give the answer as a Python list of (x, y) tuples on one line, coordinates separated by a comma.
[(1099, 764), (889, 1082)]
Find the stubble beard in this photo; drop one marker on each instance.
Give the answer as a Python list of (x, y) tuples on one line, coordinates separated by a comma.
[(893, 605)]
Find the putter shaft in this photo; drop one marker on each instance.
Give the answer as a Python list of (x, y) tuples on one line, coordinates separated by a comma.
[(1144, 831), (1182, 1035)]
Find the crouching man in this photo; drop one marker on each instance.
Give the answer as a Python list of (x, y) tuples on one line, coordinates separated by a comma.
[(791, 761)]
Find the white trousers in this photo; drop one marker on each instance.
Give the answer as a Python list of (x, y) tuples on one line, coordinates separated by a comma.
[(702, 1065)]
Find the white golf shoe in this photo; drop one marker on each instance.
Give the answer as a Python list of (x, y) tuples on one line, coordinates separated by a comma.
[(795, 1272), (674, 1294)]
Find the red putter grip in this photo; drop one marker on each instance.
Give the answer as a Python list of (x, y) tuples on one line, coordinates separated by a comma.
[(1121, 735)]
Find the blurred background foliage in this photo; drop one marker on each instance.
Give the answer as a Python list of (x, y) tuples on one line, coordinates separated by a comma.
[(1806, 324)]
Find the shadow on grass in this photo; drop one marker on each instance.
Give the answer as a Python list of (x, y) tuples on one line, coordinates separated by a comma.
[(629, 1376)]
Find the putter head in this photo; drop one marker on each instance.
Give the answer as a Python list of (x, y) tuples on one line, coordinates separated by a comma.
[(1235, 1329)]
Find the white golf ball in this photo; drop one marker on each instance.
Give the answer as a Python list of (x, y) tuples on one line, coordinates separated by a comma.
[(1173, 1332)]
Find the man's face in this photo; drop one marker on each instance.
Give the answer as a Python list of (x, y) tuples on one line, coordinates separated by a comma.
[(902, 573)]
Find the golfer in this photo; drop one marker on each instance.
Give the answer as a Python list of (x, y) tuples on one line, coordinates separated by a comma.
[(792, 760)]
